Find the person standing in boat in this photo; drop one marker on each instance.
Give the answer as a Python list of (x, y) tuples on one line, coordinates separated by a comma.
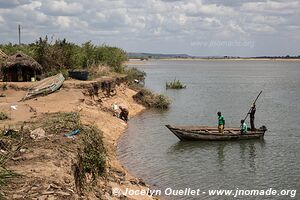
[(221, 122), (252, 113), (244, 127)]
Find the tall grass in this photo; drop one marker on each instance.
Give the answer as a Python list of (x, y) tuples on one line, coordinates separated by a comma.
[(175, 84)]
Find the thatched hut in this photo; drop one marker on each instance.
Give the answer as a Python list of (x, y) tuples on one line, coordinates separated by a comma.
[(3, 56), (20, 67)]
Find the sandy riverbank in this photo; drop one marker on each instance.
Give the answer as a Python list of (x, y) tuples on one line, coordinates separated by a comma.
[(48, 163)]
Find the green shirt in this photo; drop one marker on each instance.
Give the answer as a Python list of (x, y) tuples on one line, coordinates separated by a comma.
[(244, 128), (221, 120)]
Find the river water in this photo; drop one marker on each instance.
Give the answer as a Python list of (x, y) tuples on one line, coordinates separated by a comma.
[(149, 150)]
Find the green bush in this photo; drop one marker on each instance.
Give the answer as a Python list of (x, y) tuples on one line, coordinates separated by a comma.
[(63, 55), (161, 102), (151, 100), (176, 84)]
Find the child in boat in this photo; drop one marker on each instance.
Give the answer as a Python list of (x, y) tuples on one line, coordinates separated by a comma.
[(244, 127)]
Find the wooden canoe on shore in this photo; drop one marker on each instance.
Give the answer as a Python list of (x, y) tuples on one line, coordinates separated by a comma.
[(211, 133), (45, 86)]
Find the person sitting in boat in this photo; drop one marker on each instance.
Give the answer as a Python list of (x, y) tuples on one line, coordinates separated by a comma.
[(221, 122), (244, 127), (252, 113)]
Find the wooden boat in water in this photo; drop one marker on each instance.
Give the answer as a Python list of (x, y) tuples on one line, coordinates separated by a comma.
[(45, 86), (212, 133)]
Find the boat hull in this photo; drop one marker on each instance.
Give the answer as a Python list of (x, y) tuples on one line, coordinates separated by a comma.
[(211, 133), (46, 86)]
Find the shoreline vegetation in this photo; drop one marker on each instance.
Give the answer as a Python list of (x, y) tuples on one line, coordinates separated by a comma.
[(63, 145), (175, 84)]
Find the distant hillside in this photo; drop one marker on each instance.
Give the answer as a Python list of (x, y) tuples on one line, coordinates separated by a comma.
[(156, 55), (133, 55)]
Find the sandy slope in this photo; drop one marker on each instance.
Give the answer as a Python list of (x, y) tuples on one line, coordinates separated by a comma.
[(47, 164)]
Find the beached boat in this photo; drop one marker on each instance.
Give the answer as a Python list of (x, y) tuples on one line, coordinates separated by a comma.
[(211, 133), (45, 86)]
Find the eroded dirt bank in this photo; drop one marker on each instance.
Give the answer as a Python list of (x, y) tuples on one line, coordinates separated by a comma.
[(46, 163)]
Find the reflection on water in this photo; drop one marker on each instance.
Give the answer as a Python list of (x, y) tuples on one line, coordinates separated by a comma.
[(149, 150), (221, 156), (247, 151)]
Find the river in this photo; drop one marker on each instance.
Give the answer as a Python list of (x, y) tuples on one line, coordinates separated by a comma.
[(149, 150)]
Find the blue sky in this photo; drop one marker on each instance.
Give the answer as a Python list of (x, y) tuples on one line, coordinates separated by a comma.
[(196, 27)]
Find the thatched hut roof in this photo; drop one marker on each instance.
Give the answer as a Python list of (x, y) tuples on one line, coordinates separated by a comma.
[(21, 59), (3, 56)]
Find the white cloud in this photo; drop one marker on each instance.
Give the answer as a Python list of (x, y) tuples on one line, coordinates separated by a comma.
[(160, 25), (63, 21), (61, 8), (2, 20), (12, 3), (284, 7)]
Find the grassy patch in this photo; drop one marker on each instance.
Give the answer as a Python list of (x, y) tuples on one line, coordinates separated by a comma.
[(91, 160), (175, 84), (151, 100), (3, 116), (91, 157), (93, 152), (6, 175), (60, 122), (10, 143)]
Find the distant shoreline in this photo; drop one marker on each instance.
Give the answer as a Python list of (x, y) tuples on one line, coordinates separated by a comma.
[(140, 61), (235, 59)]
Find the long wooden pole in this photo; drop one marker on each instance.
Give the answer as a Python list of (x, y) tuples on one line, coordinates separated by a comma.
[(19, 28), (252, 104)]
